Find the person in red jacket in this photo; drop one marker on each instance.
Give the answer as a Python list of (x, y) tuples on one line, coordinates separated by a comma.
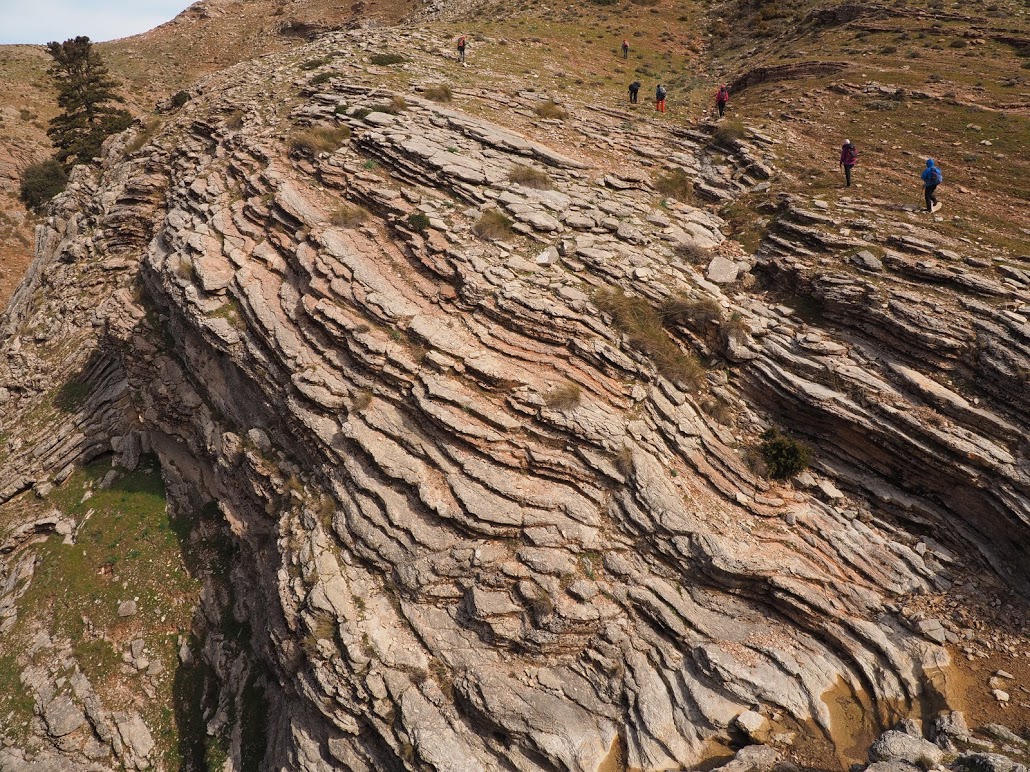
[(625, 48), (848, 159), (722, 98)]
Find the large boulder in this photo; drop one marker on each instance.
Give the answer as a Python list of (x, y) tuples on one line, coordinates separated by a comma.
[(898, 746)]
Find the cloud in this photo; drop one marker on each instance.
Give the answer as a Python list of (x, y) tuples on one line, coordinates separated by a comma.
[(39, 21)]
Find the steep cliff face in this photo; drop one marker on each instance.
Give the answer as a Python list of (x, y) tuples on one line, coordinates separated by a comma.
[(483, 501)]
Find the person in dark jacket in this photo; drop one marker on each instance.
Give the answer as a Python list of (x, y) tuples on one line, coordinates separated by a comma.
[(625, 48), (848, 159), (634, 89), (722, 98), (659, 98), (932, 176), (462, 42)]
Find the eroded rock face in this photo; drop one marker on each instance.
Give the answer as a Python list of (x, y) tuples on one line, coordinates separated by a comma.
[(442, 564)]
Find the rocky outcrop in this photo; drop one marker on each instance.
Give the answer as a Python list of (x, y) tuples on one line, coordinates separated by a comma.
[(474, 523)]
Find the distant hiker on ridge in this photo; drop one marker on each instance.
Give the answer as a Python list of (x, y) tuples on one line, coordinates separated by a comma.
[(659, 98), (625, 48), (722, 98), (848, 159), (462, 41), (634, 89), (932, 177)]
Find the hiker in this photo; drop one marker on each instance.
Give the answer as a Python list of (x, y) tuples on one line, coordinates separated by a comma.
[(462, 41), (932, 177), (659, 98), (634, 88), (625, 48), (722, 98), (848, 159)]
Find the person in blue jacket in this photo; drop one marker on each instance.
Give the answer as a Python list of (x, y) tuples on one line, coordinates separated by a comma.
[(932, 177)]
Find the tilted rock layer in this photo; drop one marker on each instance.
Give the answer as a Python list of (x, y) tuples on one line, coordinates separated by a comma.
[(475, 527)]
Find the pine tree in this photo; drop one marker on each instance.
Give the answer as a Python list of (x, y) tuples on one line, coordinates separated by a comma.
[(86, 92)]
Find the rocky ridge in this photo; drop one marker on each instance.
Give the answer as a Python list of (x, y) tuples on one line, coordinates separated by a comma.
[(444, 566)]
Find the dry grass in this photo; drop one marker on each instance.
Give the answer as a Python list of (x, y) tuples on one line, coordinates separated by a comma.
[(361, 401), (319, 139), (642, 324), (729, 131), (676, 184), (493, 225), (695, 314), (692, 253), (552, 109), (529, 177), (348, 216), (624, 462), (438, 93), (564, 397)]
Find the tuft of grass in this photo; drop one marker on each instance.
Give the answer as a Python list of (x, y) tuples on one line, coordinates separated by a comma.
[(320, 139), (234, 120), (641, 322), (695, 314), (362, 400), (729, 131), (529, 177), (150, 128), (551, 109), (314, 64), (320, 78), (676, 184), (564, 397), (693, 253), (439, 93), (348, 216), (383, 60), (493, 225), (624, 462), (784, 456)]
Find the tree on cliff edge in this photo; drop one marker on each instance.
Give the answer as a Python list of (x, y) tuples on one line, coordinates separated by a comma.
[(86, 92)]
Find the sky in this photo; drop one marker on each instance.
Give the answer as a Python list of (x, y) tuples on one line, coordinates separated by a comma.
[(40, 21)]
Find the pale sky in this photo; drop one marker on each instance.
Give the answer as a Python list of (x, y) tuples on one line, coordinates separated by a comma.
[(40, 21)]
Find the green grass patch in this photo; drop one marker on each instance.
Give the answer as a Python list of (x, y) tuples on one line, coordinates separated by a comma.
[(384, 60)]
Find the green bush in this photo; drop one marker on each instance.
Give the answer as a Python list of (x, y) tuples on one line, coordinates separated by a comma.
[(676, 184), (41, 182), (322, 77), (314, 64), (783, 455), (179, 98), (418, 222), (383, 60)]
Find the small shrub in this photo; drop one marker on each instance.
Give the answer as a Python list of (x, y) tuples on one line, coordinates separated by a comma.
[(784, 456), (493, 225), (734, 327), (889, 50), (322, 77), (361, 401), (41, 182), (539, 603), (418, 222), (624, 462), (361, 112), (563, 397), (179, 98), (234, 120), (395, 106), (383, 60), (320, 139), (348, 216), (676, 184), (439, 93), (552, 109), (959, 43), (729, 131), (529, 177), (145, 134), (884, 105), (314, 64)]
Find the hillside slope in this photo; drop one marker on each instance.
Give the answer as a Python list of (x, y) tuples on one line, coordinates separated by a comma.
[(436, 449)]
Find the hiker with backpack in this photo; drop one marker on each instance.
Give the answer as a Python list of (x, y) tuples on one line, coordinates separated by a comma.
[(634, 89), (722, 98), (848, 159), (462, 41), (932, 177), (659, 98), (625, 48)]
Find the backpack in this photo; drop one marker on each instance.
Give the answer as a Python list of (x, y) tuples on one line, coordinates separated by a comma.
[(461, 42), (661, 92), (723, 96), (849, 155), (936, 175)]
